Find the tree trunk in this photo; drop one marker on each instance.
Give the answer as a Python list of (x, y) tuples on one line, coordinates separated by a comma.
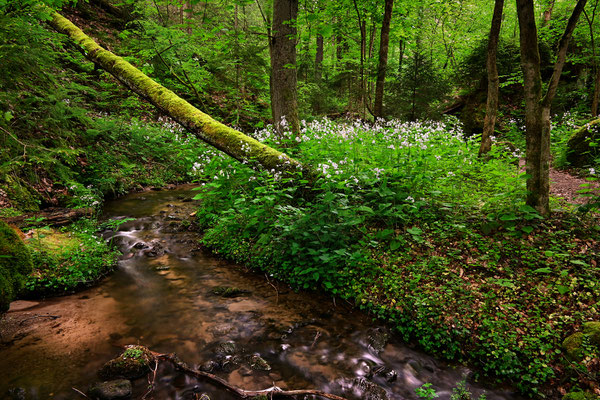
[(52, 216), (187, 16), (537, 109), (596, 95), (548, 13), (383, 57), (284, 98), (489, 122), (319, 58), (232, 142), (595, 66), (401, 57)]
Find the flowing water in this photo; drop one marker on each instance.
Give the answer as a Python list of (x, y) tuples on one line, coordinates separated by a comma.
[(168, 295)]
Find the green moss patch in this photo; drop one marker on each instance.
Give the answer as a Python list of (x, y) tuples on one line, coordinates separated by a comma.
[(67, 259), (15, 265)]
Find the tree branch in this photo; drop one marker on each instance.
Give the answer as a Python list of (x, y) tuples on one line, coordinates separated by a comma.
[(561, 53), (273, 391)]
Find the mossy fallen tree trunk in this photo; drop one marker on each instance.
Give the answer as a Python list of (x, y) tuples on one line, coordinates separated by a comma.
[(232, 142), (580, 147), (52, 216)]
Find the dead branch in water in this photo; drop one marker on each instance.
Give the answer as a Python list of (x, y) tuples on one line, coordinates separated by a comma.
[(273, 391)]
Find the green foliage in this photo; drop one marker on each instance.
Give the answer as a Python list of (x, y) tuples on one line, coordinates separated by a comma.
[(69, 259), (426, 392), (412, 226), (15, 265)]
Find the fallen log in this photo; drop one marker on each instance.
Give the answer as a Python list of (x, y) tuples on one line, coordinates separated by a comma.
[(51, 216), (271, 392), (232, 142)]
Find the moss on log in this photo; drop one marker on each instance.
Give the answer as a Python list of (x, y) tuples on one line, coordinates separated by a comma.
[(232, 142), (580, 150)]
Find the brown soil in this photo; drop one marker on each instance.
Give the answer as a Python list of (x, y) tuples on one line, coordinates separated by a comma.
[(566, 186)]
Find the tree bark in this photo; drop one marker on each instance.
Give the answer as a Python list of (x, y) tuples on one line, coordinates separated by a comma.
[(537, 109), (383, 57), (491, 110), (52, 216), (232, 142), (284, 98), (595, 66)]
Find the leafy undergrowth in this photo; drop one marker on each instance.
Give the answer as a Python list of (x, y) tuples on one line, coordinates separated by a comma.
[(70, 134), (407, 222), (67, 259)]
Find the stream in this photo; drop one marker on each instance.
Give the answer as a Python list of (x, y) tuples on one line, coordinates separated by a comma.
[(171, 296)]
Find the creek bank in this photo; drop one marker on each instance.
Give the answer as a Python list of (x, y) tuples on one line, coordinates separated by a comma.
[(306, 339), (452, 287)]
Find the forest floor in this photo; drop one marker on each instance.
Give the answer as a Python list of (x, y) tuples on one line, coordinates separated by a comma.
[(566, 185)]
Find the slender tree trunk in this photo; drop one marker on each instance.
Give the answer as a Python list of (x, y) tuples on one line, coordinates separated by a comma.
[(319, 58), (548, 13), (596, 95), (537, 109), (363, 53), (362, 25), (188, 16), (284, 98), (383, 57), (216, 134), (595, 66), (401, 56), (489, 122)]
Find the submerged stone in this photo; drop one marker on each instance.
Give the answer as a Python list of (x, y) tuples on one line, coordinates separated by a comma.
[(228, 292), (111, 390), (378, 339), (370, 390), (133, 363), (258, 363)]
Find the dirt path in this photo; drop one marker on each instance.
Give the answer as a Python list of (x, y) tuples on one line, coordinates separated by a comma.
[(566, 186)]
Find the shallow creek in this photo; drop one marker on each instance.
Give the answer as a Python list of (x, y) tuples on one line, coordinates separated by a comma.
[(165, 295)]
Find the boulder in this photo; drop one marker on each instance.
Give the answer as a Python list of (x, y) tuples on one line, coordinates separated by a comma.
[(580, 152), (111, 390), (133, 363), (573, 344), (15, 265)]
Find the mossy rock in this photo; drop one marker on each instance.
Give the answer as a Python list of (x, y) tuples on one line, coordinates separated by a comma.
[(592, 330), (579, 151), (580, 396), (111, 390), (15, 265), (133, 363), (573, 344)]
